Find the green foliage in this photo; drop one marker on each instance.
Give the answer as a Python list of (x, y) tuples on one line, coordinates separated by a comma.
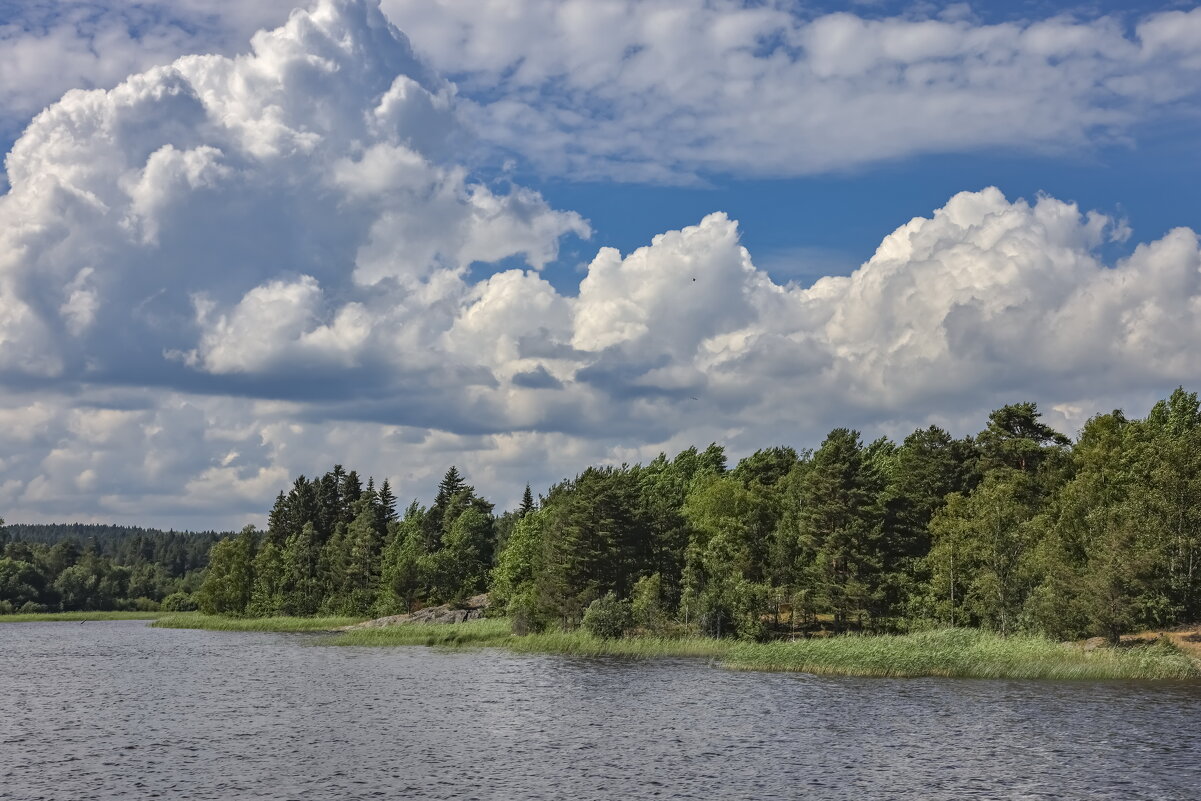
[(179, 602), (1017, 439), (75, 617), (646, 604), (595, 542), (229, 583), (1014, 530), (198, 620), (839, 530), (980, 555), (608, 617), (964, 653)]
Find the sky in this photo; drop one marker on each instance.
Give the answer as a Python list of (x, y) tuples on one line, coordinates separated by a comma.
[(241, 242)]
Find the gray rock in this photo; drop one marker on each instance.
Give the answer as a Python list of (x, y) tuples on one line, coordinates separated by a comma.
[(471, 609)]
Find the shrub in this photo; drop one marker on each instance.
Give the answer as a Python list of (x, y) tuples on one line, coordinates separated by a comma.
[(608, 617), (179, 602), (31, 608), (524, 614), (647, 604)]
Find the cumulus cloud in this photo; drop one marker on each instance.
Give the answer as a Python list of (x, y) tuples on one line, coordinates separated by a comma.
[(50, 46), (665, 90), (244, 214), (225, 271)]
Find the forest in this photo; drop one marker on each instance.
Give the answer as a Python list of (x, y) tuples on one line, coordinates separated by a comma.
[(83, 567), (1014, 529)]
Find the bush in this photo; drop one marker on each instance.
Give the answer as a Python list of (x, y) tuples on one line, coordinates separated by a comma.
[(179, 602), (608, 617), (6, 608), (523, 613), (144, 604), (647, 604), (31, 608)]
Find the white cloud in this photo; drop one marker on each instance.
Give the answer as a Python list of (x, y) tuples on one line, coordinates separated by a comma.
[(652, 90), (281, 194), (666, 90), (226, 271), (48, 47)]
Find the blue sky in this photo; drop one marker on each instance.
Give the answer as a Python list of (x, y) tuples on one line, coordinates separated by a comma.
[(833, 223), (528, 236)]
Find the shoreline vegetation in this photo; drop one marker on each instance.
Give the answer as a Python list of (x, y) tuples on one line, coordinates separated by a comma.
[(947, 653), (278, 623), (80, 617), (983, 555)]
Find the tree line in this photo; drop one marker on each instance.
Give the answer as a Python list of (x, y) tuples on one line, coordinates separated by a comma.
[(74, 567), (1015, 528)]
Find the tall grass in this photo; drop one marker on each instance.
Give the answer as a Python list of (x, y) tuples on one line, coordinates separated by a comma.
[(581, 643), (66, 617), (966, 653), (197, 620), (469, 633), (497, 632)]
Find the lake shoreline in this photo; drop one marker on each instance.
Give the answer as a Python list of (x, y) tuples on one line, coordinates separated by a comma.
[(79, 617), (946, 653)]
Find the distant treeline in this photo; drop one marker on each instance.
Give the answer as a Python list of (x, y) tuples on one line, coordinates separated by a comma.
[(86, 567), (1012, 529)]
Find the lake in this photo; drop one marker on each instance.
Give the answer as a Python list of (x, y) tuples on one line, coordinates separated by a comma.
[(118, 710)]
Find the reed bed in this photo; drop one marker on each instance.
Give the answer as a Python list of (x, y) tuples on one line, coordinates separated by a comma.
[(71, 617), (497, 632), (959, 653), (962, 653), (456, 635), (581, 643), (197, 620)]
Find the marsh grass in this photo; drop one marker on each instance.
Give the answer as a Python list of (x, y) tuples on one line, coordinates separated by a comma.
[(197, 620), (71, 617), (963, 653), (581, 643), (450, 635), (498, 632)]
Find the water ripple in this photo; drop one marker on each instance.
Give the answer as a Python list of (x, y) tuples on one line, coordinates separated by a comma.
[(121, 711)]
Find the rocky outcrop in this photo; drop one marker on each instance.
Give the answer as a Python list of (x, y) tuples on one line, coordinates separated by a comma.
[(471, 609)]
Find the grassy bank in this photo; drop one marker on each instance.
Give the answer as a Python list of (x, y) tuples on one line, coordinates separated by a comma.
[(471, 633), (497, 632), (196, 620), (67, 617), (964, 653)]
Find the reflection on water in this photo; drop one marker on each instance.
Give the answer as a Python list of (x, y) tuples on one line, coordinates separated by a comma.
[(122, 711)]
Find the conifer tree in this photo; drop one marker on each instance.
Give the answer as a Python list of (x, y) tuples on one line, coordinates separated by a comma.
[(527, 502)]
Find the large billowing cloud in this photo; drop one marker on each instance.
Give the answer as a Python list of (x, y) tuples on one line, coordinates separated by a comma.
[(225, 271)]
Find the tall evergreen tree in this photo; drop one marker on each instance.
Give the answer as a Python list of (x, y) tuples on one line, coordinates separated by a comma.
[(839, 526), (527, 502)]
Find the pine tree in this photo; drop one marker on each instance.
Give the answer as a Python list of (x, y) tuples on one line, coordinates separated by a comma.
[(387, 503), (300, 593), (839, 526), (405, 565)]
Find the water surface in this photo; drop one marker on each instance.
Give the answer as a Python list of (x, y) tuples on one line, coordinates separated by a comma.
[(117, 710)]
